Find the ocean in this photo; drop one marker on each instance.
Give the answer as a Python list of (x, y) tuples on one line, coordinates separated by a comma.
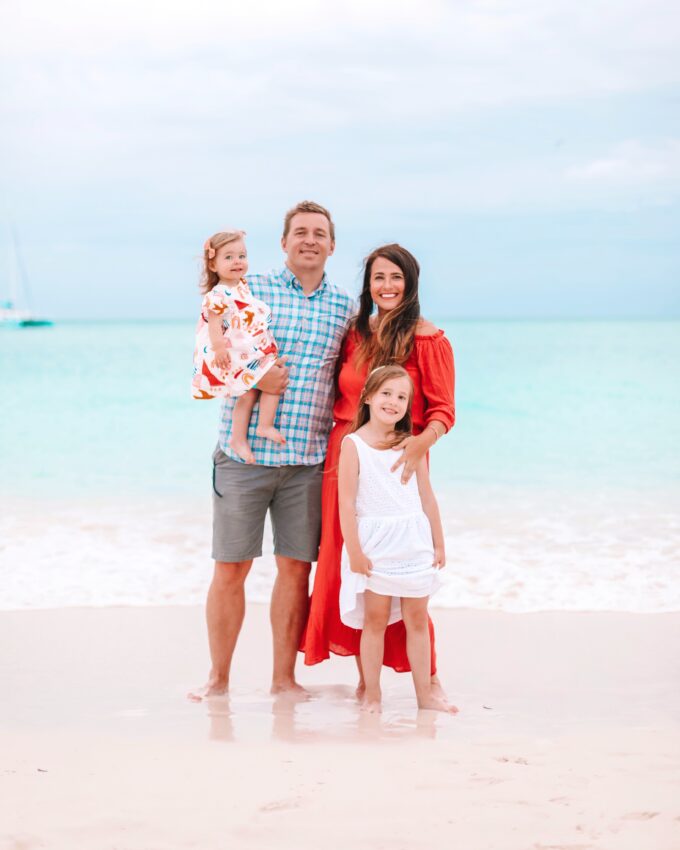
[(559, 485)]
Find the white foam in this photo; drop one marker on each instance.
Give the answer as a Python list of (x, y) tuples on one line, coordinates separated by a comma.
[(528, 554)]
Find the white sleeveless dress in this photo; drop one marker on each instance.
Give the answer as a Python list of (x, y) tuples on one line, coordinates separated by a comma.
[(395, 535)]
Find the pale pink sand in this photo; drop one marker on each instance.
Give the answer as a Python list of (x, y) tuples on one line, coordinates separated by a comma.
[(568, 737)]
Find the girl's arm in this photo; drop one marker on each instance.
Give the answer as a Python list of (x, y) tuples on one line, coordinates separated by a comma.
[(431, 509), (217, 341), (348, 482)]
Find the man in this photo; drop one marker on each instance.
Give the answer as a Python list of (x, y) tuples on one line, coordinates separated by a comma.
[(309, 319)]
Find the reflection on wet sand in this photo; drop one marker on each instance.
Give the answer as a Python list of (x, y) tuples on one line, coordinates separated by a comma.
[(328, 713), (221, 724)]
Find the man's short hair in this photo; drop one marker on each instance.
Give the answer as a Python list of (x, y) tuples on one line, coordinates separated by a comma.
[(308, 207)]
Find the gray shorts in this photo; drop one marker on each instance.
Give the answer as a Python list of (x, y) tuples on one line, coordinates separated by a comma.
[(242, 494)]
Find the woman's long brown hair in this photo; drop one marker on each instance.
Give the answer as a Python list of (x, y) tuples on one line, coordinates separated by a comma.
[(373, 383), (391, 341)]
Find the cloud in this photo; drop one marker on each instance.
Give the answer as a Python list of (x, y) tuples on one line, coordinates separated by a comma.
[(632, 164), (156, 99)]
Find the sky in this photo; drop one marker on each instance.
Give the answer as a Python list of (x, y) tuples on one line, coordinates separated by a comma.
[(528, 153)]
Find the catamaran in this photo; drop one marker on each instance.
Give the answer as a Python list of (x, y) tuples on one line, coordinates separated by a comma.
[(19, 292)]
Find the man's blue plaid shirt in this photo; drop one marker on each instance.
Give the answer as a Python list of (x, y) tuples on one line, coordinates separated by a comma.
[(310, 330)]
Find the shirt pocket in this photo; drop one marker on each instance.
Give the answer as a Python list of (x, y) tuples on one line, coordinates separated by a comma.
[(330, 331)]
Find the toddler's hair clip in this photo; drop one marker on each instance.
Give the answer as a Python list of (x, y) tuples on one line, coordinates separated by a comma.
[(209, 250)]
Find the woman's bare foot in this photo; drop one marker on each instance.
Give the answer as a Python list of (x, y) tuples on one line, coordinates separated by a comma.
[(213, 688), (242, 449), (269, 432), (435, 703), (436, 688), (372, 701)]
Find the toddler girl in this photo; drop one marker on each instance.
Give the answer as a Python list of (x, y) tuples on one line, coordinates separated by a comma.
[(234, 346), (393, 539)]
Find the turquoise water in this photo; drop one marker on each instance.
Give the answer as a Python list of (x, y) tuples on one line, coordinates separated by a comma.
[(559, 486), (104, 409)]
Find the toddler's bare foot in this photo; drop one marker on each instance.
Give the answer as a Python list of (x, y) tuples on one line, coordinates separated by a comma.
[(242, 449), (214, 688), (435, 703), (269, 432)]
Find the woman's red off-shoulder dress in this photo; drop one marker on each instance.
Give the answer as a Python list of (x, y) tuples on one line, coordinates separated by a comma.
[(430, 366)]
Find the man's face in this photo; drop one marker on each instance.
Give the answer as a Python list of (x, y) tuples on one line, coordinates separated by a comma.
[(308, 243)]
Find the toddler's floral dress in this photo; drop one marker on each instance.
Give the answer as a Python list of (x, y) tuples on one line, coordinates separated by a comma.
[(252, 347)]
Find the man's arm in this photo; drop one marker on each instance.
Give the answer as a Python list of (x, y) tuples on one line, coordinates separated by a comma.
[(275, 380)]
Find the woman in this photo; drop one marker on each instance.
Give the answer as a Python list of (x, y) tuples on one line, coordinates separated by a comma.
[(395, 334)]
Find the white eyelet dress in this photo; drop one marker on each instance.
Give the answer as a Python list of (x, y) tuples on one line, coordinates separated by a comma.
[(394, 534)]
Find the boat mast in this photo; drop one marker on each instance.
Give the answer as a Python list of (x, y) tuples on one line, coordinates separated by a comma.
[(19, 278)]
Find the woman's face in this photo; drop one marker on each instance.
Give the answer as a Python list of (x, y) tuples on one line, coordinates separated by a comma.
[(387, 285)]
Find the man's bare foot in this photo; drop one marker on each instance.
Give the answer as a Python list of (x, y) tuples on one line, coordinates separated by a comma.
[(214, 688), (291, 689), (269, 432), (242, 449), (436, 688), (435, 703)]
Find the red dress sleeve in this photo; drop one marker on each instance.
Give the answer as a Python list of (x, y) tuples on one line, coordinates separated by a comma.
[(438, 377)]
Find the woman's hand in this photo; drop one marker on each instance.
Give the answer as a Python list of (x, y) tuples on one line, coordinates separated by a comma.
[(413, 449), (439, 557), (222, 358), (360, 564)]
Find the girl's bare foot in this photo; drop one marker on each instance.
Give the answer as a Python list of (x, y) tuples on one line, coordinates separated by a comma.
[(242, 449), (269, 432), (214, 688), (435, 703)]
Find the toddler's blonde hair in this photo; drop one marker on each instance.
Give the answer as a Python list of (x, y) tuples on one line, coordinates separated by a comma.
[(209, 277)]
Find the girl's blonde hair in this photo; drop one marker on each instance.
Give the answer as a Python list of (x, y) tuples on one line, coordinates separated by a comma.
[(210, 278), (373, 383)]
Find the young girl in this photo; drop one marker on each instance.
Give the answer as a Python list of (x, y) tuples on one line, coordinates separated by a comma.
[(234, 346), (393, 538)]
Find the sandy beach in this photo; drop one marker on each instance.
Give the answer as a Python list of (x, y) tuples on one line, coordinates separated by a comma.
[(568, 738)]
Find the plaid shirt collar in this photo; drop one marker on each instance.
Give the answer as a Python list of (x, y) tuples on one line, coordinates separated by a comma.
[(293, 283)]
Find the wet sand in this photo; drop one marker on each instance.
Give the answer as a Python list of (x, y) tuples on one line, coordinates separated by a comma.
[(568, 738)]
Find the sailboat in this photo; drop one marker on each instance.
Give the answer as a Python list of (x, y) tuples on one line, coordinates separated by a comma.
[(12, 316)]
